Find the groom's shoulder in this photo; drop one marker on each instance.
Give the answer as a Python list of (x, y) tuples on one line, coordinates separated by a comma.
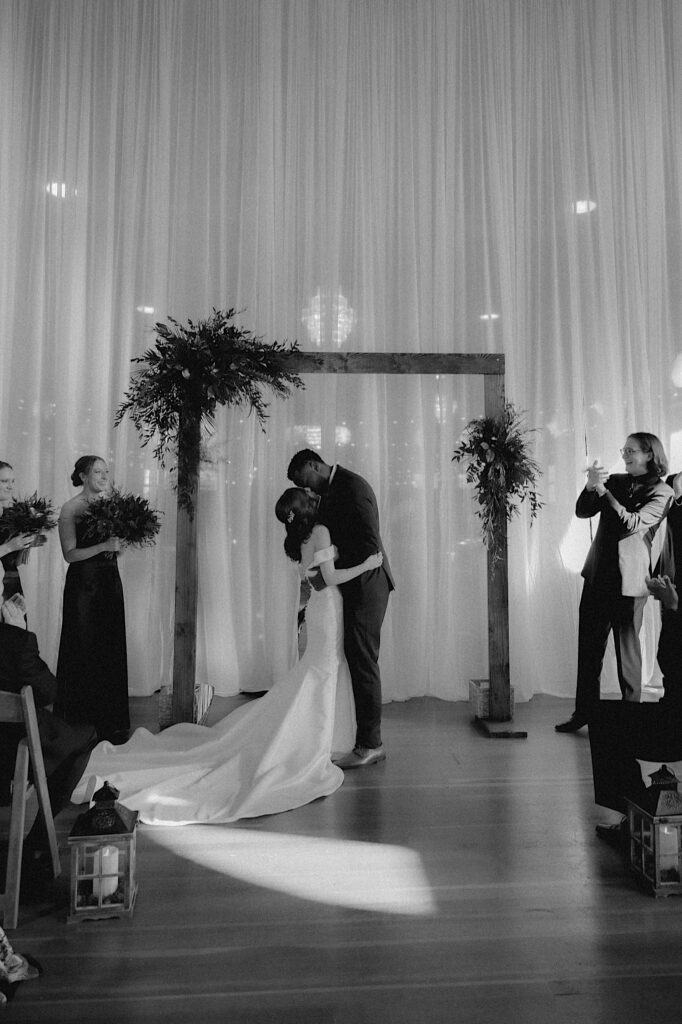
[(349, 478)]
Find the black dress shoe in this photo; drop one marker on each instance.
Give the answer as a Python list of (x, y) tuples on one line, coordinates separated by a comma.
[(572, 725), (617, 835)]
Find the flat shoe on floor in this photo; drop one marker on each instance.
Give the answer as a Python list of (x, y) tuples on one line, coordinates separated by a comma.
[(19, 969), (361, 757), (615, 835)]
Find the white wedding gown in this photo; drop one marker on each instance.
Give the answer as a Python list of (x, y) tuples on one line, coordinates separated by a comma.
[(268, 756)]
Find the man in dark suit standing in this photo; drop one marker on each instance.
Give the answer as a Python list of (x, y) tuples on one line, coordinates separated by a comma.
[(66, 748), (348, 508)]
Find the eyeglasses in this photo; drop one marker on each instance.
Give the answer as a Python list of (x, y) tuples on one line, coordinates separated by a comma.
[(630, 451)]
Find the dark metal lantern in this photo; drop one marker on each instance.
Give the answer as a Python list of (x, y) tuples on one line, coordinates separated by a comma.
[(102, 845), (655, 824)]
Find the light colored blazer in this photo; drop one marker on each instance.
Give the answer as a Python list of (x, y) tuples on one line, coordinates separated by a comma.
[(624, 536)]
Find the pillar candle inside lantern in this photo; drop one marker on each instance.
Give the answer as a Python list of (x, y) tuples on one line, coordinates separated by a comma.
[(108, 865)]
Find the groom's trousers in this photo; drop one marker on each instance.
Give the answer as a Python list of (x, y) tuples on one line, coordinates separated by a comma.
[(365, 600)]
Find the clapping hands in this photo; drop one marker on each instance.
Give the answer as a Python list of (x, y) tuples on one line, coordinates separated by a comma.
[(596, 477)]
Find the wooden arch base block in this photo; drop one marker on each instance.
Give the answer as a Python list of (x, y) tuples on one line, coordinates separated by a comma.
[(499, 730)]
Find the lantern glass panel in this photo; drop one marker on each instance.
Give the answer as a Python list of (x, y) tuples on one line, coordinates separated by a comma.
[(668, 842)]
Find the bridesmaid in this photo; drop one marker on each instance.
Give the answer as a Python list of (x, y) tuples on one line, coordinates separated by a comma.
[(92, 668), (12, 549)]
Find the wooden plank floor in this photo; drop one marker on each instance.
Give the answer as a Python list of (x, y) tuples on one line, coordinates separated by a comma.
[(461, 881)]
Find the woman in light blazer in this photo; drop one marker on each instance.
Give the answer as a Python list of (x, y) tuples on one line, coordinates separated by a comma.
[(631, 507)]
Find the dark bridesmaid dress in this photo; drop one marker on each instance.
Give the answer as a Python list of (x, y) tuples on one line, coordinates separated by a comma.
[(92, 668), (11, 581)]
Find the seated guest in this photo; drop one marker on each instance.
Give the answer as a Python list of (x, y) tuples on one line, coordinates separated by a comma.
[(65, 747), (622, 732)]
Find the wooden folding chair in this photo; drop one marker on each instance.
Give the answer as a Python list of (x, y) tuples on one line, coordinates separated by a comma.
[(20, 707)]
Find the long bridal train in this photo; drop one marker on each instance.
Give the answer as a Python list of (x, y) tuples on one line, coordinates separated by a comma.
[(271, 755)]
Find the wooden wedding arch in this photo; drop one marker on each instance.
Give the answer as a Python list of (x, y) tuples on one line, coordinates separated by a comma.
[(491, 368)]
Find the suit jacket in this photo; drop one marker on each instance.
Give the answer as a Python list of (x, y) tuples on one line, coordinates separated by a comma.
[(349, 510), (21, 665), (620, 554)]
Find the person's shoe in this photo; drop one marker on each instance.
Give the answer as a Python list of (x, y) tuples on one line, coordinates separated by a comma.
[(361, 757), (617, 835), (574, 723), (19, 969)]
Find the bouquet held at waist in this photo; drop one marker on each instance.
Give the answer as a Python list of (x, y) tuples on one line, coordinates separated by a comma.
[(122, 515), (33, 516)]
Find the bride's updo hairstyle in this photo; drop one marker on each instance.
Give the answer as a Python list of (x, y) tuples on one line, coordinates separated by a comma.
[(295, 509), (83, 465)]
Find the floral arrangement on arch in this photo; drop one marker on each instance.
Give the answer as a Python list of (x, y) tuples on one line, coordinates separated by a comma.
[(498, 459), (34, 516), (192, 369), (124, 515)]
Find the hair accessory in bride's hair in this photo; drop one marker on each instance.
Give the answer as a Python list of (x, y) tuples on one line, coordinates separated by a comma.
[(290, 517)]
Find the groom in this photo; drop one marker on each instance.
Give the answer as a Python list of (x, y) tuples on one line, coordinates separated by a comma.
[(348, 508)]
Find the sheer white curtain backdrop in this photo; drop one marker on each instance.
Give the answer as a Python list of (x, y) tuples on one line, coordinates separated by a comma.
[(362, 175)]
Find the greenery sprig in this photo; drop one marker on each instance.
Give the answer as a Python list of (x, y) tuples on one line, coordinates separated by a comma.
[(124, 515), (496, 452), (193, 369), (31, 515)]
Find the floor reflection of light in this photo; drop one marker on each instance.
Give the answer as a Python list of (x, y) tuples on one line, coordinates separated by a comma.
[(340, 872)]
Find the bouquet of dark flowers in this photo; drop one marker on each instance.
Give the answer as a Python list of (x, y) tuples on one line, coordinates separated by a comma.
[(32, 515), (123, 515), (499, 464)]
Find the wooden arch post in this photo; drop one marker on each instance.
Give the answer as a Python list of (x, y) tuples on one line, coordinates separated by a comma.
[(491, 367)]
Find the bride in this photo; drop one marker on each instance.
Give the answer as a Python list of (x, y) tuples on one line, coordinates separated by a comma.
[(272, 754)]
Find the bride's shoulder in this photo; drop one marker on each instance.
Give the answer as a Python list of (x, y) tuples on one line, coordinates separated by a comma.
[(320, 536)]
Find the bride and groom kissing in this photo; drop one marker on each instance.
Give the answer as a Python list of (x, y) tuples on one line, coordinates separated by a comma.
[(348, 518), (321, 718)]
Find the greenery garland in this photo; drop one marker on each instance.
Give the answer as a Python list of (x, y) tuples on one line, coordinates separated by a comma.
[(119, 514), (194, 368), (32, 515), (498, 462)]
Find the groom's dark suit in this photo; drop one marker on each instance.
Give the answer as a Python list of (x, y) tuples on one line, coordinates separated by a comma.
[(349, 510)]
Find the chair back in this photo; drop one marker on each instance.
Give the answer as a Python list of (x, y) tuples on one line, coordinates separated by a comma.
[(20, 708)]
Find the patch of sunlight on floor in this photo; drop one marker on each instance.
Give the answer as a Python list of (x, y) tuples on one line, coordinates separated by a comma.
[(341, 872)]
